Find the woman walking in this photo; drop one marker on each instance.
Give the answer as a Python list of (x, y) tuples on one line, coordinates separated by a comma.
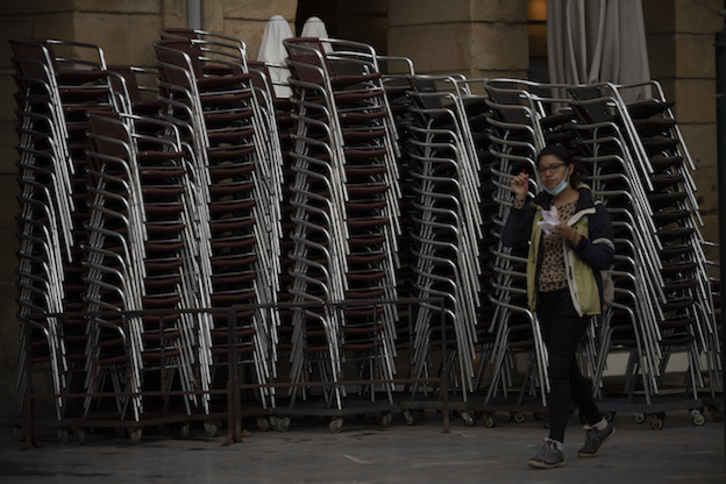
[(564, 287)]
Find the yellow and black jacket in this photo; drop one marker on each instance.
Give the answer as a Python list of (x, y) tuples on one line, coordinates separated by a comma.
[(583, 263)]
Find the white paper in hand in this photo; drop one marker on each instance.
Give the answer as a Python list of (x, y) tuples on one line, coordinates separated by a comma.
[(550, 220)]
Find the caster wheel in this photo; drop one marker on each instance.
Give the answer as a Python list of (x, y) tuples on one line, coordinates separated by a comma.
[(385, 419), (80, 434), (335, 425), (488, 421), (263, 424), (697, 418), (408, 417), (135, 436), (716, 414), (184, 431), (639, 417), (468, 419), (281, 424), (210, 428), (62, 436), (656, 423), (520, 417), (507, 417)]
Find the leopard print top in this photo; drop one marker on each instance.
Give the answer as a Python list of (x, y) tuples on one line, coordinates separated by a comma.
[(552, 275)]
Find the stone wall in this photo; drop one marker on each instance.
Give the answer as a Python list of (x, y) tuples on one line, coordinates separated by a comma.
[(478, 39), (245, 19)]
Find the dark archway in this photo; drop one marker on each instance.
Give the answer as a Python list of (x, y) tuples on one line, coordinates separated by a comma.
[(349, 19), (325, 9)]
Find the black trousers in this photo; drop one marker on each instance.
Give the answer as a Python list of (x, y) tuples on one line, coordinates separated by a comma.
[(562, 330)]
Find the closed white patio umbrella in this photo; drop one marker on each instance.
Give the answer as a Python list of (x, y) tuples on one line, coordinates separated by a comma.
[(315, 27), (593, 41), (273, 52)]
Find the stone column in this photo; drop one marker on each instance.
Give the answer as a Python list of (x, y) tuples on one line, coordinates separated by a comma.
[(245, 19), (478, 39)]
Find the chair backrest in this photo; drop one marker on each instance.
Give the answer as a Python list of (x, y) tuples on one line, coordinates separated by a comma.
[(125, 82), (510, 104), (306, 51), (172, 51), (177, 33), (107, 126), (213, 45), (263, 81), (32, 58), (594, 106)]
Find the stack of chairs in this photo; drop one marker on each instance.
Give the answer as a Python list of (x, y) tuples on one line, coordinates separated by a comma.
[(345, 213), (397, 77), (447, 227), (206, 90), (677, 213), (398, 74), (523, 119), (297, 219), (139, 257), (479, 116), (638, 160), (277, 121), (615, 173), (57, 82), (281, 123)]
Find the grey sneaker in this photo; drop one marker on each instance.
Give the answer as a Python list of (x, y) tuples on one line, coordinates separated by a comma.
[(594, 439), (548, 457)]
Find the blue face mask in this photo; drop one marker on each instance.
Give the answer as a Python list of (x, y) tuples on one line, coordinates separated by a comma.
[(559, 188)]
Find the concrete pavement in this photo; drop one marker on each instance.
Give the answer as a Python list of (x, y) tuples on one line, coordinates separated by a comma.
[(365, 452)]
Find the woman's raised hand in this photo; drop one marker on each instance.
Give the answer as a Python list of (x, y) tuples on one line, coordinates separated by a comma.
[(520, 185)]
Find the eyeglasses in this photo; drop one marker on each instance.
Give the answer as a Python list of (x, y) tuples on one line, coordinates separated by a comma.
[(552, 169)]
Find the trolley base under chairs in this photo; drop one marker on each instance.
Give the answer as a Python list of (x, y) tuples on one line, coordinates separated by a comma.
[(635, 390), (164, 412), (362, 390), (673, 395)]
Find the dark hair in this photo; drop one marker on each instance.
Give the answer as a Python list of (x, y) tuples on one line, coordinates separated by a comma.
[(562, 154)]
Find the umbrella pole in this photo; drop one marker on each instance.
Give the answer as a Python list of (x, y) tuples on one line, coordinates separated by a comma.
[(194, 14)]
